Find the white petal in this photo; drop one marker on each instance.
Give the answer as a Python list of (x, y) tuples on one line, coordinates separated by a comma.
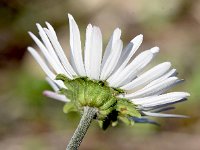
[(148, 76), (162, 78), (135, 67), (40, 61), (115, 37), (75, 43), (51, 29), (43, 65), (126, 55), (51, 49), (52, 84), (95, 53), (163, 115), (112, 60), (56, 96), (129, 51), (161, 99), (50, 59), (156, 89), (47, 42), (87, 54), (59, 51)]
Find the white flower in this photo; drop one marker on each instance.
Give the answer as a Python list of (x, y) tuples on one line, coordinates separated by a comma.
[(146, 89)]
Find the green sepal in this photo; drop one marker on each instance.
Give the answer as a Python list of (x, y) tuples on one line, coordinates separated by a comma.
[(69, 107), (104, 113), (102, 97), (62, 77), (91, 92), (67, 93), (114, 124), (100, 122), (119, 91), (125, 120), (77, 87), (109, 103), (125, 107)]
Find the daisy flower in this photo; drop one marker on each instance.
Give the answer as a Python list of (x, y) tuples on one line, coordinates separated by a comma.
[(115, 85)]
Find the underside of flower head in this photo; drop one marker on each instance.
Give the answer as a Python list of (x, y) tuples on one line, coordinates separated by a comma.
[(116, 85), (83, 91)]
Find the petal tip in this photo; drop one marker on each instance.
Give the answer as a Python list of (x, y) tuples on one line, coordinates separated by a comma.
[(47, 23), (89, 25), (29, 32), (140, 35), (70, 16), (155, 49), (45, 93), (138, 38), (39, 26), (187, 94), (29, 49), (118, 30), (31, 35), (167, 63)]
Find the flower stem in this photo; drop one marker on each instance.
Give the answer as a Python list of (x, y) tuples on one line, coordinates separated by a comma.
[(82, 128)]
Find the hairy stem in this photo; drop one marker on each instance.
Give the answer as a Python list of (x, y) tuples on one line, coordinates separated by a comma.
[(82, 128)]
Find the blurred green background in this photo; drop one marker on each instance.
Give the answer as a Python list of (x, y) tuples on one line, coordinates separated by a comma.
[(29, 121)]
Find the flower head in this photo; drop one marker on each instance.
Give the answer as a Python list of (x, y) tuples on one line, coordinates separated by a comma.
[(110, 81)]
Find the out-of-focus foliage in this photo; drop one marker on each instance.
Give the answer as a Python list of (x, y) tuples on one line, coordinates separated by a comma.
[(28, 120)]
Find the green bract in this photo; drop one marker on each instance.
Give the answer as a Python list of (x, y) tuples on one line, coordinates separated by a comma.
[(82, 91)]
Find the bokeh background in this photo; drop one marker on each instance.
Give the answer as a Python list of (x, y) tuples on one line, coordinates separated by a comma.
[(29, 121)]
